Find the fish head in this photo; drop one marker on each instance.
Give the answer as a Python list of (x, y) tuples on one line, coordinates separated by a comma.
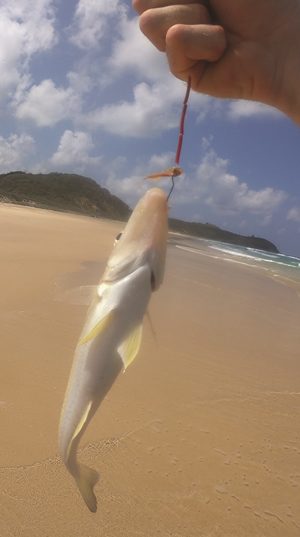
[(143, 241)]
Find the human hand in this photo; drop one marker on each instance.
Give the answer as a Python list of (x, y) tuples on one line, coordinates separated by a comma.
[(241, 49)]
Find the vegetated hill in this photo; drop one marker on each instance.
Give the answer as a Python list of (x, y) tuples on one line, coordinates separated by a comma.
[(79, 194), (61, 192), (209, 231)]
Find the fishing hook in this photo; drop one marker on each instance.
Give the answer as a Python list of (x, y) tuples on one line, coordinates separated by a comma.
[(176, 170), (172, 187)]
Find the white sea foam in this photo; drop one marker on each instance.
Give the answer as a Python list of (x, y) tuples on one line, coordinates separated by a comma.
[(259, 256), (279, 265)]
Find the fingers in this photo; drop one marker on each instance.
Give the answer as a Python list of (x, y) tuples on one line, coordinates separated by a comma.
[(156, 22), (184, 30), (189, 47), (142, 5)]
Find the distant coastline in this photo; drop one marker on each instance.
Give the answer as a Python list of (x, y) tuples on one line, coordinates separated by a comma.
[(81, 195)]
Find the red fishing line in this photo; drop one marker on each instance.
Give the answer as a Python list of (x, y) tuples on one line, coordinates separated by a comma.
[(182, 120)]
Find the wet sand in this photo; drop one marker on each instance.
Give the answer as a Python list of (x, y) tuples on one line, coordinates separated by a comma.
[(200, 437)]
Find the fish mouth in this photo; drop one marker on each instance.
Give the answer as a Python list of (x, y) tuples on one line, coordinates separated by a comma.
[(143, 241)]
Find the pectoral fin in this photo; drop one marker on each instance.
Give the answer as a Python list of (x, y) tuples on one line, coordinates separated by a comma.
[(130, 347), (78, 296), (97, 329)]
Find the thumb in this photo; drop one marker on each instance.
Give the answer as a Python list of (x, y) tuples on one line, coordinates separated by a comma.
[(188, 47)]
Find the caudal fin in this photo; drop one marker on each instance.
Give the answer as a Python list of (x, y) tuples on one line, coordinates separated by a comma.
[(86, 480)]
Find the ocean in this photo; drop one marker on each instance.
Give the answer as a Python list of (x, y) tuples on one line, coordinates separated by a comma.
[(282, 266)]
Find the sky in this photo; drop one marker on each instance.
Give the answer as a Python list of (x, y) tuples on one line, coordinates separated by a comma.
[(82, 90)]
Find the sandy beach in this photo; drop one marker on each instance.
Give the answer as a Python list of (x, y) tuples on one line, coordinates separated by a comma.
[(200, 437)]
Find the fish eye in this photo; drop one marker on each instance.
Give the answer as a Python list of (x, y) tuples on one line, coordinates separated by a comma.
[(117, 238)]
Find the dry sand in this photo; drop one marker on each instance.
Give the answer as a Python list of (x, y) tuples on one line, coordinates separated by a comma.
[(199, 438)]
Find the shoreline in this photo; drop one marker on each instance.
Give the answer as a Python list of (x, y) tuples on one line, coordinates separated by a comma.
[(34, 206)]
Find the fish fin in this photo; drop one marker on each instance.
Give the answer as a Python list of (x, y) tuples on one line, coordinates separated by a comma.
[(86, 479), (97, 329), (79, 426), (131, 346), (78, 296), (152, 329)]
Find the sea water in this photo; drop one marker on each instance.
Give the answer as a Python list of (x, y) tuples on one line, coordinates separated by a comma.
[(279, 265)]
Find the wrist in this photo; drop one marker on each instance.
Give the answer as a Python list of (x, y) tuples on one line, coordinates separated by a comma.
[(287, 98)]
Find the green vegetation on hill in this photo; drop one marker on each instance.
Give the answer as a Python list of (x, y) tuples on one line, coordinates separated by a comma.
[(62, 192), (78, 194), (209, 231)]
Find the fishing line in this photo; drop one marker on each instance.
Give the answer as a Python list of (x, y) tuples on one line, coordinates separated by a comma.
[(181, 132), (175, 171)]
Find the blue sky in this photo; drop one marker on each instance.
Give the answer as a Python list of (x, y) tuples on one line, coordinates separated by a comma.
[(82, 90)]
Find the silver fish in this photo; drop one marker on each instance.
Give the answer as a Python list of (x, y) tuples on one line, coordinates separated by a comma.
[(112, 334)]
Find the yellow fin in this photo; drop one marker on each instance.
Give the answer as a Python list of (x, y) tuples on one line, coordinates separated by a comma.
[(130, 347), (97, 329), (86, 480)]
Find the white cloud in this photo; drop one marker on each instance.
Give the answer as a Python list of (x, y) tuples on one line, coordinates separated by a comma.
[(74, 151), (80, 80), (156, 102), (210, 190), (224, 193), (245, 109), (294, 214), (46, 105), (133, 52), (26, 28), (92, 20), (149, 113), (159, 162), (14, 151), (154, 109), (131, 186)]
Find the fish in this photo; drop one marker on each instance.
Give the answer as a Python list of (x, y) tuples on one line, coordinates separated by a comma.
[(112, 334), (169, 172)]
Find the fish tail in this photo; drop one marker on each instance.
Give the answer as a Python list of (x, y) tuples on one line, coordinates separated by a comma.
[(86, 479)]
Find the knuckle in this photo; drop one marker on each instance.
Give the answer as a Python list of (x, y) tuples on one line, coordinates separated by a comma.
[(152, 29), (148, 22), (200, 13), (176, 35), (139, 6), (219, 41)]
